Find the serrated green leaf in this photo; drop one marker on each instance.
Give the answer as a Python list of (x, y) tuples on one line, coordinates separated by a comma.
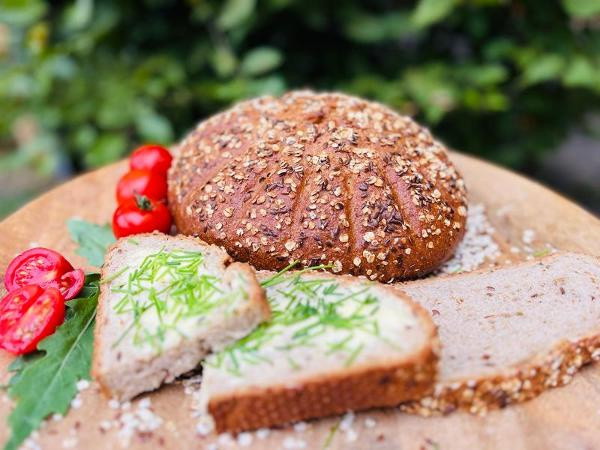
[(93, 239), (46, 383), (429, 12), (260, 60), (582, 8), (235, 12)]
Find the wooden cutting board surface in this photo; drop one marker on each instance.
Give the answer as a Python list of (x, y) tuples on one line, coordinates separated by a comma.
[(567, 417)]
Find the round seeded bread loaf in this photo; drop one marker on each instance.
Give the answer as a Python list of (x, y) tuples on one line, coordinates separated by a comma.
[(321, 179)]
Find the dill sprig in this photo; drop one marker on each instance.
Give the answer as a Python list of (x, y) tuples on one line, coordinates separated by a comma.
[(163, 290), (303, 309)]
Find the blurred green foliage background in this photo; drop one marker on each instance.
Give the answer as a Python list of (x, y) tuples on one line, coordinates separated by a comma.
[(83, 82)]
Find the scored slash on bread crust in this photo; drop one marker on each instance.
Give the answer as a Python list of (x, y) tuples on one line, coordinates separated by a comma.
[(124, 373), (377, 381), (569, 283), (320, 178)]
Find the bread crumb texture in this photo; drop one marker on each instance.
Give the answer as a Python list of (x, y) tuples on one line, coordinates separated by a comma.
[(320, 178)]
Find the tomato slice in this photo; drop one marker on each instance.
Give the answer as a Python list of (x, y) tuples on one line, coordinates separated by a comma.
[(40, 320), (71, 283), (15, 303), (40, 266)]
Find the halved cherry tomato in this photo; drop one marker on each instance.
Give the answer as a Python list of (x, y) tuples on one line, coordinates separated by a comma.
[(142, 182), (141, 215), (35, 266), (71, 283), (151, 157), (14, 304), (38, 321), (46, 268)]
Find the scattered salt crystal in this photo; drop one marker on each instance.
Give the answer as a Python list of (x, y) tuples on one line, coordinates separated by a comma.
[(114, 404), (57, 417), (125, 406), (203, 428), (263, 433), (477, 246), (70, 442), (300, 427), (31, 444), (528, 236), (76, 402), (144, 403), (105, 425), (225, 439), (369, 422), (212, 446), (347, 421), (34, 244), (82, 384), (351, 435), (291, 442), (244, 439)]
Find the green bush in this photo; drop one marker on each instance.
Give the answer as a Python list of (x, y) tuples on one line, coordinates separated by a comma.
[(89, 79)]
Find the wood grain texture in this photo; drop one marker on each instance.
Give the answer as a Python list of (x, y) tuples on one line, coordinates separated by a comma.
[(562, 418)]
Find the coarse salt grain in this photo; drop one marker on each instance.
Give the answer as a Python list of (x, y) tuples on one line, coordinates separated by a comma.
[(351, 435), (477, 246), (263, 433), (76, 402), (528, 236), (244, 439), (370, 423), (300, 427), (347, 421), (225, 439), (70, 442), (82, 384), (291, 442), (114, 404)]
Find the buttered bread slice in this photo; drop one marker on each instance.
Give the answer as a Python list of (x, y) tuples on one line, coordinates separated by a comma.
[(333, 344), (165, 303)]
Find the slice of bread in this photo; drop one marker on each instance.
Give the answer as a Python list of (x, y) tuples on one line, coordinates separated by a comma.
[(165, 303), (334, 344), (511, 333)]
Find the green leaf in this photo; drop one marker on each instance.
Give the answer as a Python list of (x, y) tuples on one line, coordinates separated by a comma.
[(46, 384), (370, 28), (153, 127), (93, 240), (109, 147), (21, 12), (260, 60), (235, 12), (429, 12), (582, 8), (581, 71), (543, 68), (223, 61)]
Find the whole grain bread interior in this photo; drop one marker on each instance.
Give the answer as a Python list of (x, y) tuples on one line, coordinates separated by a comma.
[(333, 344), (511, 333), (165, 303), (320, 178)]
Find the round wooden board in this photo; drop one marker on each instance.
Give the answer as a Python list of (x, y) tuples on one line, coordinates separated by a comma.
[(567, 417)]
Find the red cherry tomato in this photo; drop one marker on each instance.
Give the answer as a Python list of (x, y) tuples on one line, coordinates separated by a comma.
[(46, 268), (154, 158), (39, 320), (71, 283), (35, 266), (141, 215), (142, 182), (15, 303)]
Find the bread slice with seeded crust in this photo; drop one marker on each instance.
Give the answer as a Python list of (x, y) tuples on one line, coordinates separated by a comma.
[(509, 334), (334, 344), (165, 303)]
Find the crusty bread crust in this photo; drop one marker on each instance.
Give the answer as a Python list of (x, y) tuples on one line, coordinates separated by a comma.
[(256, 300), (358, 388), (515, 384), (320, 178)]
